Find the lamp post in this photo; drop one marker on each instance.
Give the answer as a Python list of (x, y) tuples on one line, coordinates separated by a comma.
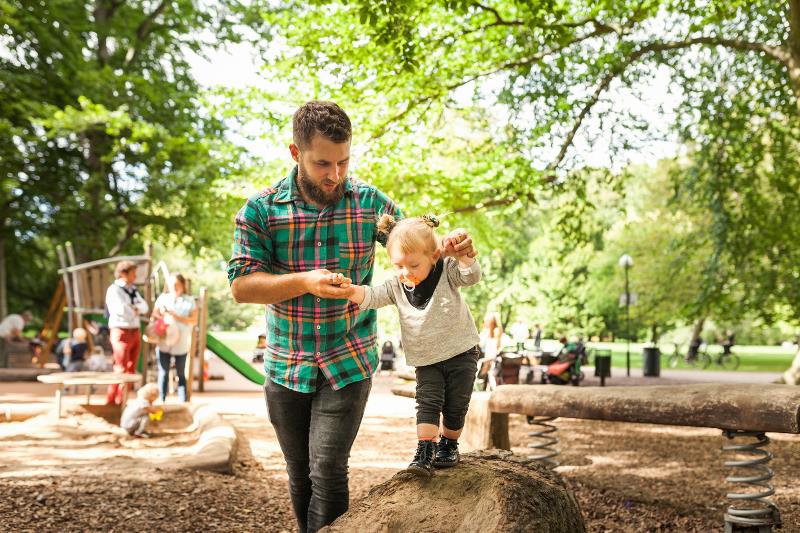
[(626, 261)]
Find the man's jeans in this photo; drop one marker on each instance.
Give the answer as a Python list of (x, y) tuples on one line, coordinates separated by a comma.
[(316, 431)]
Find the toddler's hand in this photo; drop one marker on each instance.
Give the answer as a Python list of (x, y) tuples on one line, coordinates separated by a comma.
[(340, 279)]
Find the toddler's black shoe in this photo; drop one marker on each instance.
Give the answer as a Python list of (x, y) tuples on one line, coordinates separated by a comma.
[(446, 453), (422, 465)]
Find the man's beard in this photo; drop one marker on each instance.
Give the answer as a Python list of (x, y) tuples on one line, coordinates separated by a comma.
[(315, 193)]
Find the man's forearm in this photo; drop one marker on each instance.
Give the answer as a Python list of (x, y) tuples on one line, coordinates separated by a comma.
[(264, 288)]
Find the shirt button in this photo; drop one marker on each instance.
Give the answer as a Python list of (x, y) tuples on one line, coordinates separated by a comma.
[(319, 243), (318, 299), (318, 353), (317, 326)]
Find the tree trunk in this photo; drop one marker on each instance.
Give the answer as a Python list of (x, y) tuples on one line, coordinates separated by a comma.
[(654, 334), (697, 330), (3, 286)]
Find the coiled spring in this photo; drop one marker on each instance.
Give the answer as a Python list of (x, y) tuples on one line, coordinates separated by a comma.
[(759, 513), (545, 440)]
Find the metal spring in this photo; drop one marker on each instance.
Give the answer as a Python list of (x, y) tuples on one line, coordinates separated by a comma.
[(545, 442), (762, 512)]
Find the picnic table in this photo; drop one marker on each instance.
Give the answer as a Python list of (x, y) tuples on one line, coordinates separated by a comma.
[(88, 379)]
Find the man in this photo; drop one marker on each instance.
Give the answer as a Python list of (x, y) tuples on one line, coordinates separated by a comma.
[(519, 332), (11, 332), (125, 307), (321, 350), (537, 338)]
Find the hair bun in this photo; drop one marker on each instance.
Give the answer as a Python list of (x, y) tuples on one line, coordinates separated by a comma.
[(431, 220), (384, 226)]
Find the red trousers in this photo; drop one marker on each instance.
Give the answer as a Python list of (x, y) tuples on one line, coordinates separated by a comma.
[(125, 344)]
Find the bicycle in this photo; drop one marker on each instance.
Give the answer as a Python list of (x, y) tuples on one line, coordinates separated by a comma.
[(700, 359), (728, 361)]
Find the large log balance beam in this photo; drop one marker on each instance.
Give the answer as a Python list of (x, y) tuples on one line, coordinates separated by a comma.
[(740, 410)]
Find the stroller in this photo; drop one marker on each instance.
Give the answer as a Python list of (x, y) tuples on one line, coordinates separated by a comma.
[(566, 366), (505, 369)]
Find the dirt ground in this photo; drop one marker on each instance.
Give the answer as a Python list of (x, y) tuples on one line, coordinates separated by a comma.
[(627, 477)]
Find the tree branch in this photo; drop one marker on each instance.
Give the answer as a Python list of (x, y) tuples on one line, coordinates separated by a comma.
[(774, 52), (794, 28), (142, 32), (506, 66), (103, 12)]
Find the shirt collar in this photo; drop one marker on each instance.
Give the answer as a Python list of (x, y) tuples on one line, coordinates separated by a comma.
[(288, 191), (121, 283)]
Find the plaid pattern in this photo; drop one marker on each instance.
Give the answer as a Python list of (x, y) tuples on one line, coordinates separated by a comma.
[(279, 233)]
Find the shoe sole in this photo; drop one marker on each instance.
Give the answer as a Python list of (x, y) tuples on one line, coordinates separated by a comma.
[(419, 471), (445, 465)]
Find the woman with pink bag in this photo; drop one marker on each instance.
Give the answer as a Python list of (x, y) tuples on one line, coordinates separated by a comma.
[(179, 313)]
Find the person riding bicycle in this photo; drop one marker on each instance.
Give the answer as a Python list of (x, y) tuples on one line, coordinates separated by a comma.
[(727, 344)]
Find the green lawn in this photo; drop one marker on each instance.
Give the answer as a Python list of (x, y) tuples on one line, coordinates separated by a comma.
[(753, 358)]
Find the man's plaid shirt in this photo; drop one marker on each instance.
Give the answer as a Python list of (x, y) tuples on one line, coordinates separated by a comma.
[(279, 233)]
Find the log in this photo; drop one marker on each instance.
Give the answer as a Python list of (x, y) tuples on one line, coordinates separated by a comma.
[(490, 491), (748, 407)]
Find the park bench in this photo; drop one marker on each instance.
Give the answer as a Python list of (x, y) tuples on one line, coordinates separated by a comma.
[(739, 410), (89, 380)]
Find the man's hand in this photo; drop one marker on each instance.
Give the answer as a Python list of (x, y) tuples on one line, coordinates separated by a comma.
[(323, 283), (458, 243)]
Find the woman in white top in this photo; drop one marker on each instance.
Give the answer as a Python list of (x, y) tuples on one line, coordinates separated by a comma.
[(180, 313)]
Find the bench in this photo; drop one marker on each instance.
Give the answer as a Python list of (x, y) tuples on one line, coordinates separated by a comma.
[(739, 410), (90, 380)]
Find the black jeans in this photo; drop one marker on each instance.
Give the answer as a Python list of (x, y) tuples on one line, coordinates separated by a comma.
[(445, 388), (316, 431)]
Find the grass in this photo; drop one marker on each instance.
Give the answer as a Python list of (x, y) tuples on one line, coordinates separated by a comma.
[(753, 358)]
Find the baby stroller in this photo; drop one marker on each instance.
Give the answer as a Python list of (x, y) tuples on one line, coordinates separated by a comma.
[(387, 356), (564, 368)]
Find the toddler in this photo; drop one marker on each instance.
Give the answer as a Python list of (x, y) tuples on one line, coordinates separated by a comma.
[(437, 331), (136, 415)]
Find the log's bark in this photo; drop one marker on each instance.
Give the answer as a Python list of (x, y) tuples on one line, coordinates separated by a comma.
[(488, 492), (749, 407)]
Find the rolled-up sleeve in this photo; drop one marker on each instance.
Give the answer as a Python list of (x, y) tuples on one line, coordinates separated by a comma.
[(460, 276), (252, 243)]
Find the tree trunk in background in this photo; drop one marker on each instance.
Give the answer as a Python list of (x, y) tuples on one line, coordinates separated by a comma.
[(654, 334), (3, 286), (698, 329)]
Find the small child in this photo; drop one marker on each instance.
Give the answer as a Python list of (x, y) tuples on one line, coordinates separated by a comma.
[(136, 415), (436, 328)]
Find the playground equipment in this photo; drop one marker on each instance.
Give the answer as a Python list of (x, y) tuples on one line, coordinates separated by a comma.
[(742, 412), (81, 294)]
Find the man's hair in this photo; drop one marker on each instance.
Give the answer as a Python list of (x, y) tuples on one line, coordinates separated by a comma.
[(123, 267), (320, 118)]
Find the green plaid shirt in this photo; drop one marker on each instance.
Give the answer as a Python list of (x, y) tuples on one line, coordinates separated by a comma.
[(279, 233)]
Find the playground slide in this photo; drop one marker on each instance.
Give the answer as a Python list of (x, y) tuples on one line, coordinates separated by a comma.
[(230, 357)]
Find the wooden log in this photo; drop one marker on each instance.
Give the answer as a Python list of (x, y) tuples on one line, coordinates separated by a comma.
[(489, 492), (484, 429), (409, 391), (746, 407)]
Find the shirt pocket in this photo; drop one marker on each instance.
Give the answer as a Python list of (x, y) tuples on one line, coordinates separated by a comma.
[(355, 258)]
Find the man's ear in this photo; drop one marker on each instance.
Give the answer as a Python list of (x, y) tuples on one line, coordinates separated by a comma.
[(295, 151)]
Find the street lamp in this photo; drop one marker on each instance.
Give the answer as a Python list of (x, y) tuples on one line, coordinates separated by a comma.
[(626, 262)]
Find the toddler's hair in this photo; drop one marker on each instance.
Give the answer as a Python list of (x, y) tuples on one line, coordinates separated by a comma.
[(414, 234), (147, 391)]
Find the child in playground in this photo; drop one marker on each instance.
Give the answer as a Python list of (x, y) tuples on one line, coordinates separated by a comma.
[(136, 415), (437, 331)]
